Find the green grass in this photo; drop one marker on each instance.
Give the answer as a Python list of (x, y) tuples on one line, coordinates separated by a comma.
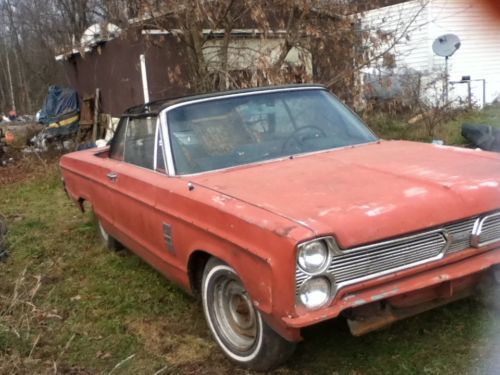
[(449, 130), (67, 303)]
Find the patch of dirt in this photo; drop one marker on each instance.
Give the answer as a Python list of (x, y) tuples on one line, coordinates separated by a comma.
[(24, 167), (160, 337)]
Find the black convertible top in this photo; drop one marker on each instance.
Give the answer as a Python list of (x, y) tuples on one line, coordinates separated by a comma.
[(154, 108)]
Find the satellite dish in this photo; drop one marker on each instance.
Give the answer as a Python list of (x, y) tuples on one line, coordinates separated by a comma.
[(99, 33), (446, 45)]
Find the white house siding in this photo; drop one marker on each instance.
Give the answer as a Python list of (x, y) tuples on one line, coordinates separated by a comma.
[(478, 57), (408, 23)]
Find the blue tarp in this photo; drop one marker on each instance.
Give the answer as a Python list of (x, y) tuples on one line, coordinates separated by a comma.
[(60, 112), (59, 102)]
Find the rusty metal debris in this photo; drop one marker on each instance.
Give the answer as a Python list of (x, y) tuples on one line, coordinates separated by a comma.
[(14, 137)]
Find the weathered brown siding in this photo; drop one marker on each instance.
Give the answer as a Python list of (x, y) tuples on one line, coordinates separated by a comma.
[(114, 68)]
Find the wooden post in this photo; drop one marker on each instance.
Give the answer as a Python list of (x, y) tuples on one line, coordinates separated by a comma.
[(96, 115)]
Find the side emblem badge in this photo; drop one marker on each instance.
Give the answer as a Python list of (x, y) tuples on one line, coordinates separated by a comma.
[(167, 235)]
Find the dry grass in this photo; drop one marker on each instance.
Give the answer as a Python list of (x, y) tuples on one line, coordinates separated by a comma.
[(26, 166), (20, 318)]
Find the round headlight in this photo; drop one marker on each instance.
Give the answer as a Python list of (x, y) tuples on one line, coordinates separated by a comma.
[(315, 293), (313, 257)]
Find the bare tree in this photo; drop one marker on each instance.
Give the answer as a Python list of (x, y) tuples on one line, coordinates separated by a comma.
[(226, 43), (32, 32), (241, 43)]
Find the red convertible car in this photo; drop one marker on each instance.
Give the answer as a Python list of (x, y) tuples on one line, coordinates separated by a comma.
[(281, 209)]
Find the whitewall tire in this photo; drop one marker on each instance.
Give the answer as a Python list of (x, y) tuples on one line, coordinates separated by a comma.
[(236, 324), (109, 242)]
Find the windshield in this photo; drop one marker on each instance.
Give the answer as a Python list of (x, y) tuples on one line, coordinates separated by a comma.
[(232, 131)]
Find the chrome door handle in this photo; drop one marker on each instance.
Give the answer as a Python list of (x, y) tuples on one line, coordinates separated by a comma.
[(112, 176)]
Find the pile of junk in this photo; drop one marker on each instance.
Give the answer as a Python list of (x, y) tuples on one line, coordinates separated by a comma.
[(58, 126), (15, 134), (55, 127), (59, 118)]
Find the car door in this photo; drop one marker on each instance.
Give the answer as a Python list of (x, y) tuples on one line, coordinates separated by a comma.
[(135, 182), (133, 197), (104, 190)]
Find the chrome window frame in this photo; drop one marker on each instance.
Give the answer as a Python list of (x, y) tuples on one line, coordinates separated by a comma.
[(154, 140), (155, 148), (125, 125), (159, 137)]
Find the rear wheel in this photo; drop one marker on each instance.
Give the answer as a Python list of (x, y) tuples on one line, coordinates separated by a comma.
[(109, 241), (236, 324)]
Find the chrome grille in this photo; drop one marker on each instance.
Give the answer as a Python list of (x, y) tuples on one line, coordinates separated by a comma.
[(367, 262), (460, 235), (384, 257), (300, 277), (489, 230), (373, 260)]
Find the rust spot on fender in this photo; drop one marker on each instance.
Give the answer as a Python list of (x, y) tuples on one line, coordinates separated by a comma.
[(284, 232)]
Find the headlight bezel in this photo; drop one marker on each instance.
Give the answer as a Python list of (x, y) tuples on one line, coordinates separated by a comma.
[(331, 287), (332, 249), (326, 242)]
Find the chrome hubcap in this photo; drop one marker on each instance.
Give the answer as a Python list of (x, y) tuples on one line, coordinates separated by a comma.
[(235, 313)]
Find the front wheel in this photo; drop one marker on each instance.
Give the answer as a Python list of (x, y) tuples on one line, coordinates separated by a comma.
[(236, 324)]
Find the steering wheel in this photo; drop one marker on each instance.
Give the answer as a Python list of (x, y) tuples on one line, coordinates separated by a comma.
[(297, 138)]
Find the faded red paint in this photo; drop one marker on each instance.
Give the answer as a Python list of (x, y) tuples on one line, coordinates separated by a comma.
[(253, 216), (364, 194)]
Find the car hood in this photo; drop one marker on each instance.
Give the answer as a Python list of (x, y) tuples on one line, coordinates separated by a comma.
[(369, 192)]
